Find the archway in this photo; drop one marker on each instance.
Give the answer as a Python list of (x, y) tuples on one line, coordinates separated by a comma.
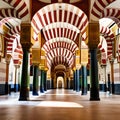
[(60, 82)]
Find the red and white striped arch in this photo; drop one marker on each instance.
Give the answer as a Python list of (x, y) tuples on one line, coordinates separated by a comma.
[(110, 38), (59, 12), (59, 30), (62, 60), (60, 53), (8, 12), (10, 44), (59, 22), (112, 13), (14, 25), (64, 43), (98, 8), (19, 5), (12, 33)]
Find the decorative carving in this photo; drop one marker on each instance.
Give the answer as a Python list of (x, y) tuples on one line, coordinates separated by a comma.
[(35, 56), (26, 34)]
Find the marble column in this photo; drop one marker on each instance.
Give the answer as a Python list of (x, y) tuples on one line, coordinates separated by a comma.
[(7, 78), (25, 40), (7, 89), (94, 87), (77, 81), (45, 80), (15, 85), (84, 80), (24, 88), (42, 82), (112, 76), (74, 81), (35, 80)]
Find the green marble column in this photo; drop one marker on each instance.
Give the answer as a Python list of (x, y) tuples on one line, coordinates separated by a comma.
[(52, 83), (84, 81), (24, 89), (74, 83), (94, 86), (77, 81), (45, 81), (35, 80), (42, 82)]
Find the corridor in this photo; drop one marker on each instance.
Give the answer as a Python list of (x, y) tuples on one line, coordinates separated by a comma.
[(60, 104)]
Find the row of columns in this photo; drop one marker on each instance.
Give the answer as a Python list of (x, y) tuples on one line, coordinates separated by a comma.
[(43, 79), (80, 78), (24, 89), (94, 88)]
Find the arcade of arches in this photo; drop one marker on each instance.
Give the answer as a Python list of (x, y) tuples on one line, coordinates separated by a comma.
[(59, 44)]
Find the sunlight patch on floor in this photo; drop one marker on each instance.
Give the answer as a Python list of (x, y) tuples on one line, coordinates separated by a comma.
[(59, 104)]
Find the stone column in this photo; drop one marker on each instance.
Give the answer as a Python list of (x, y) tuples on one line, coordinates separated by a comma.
[(7, 90), (105, 84), (93, 41), (84, 81), (42, 82), (94, 87), (15, 86), (45, 80), (77, 81), (24, 88), (35, 80), (112, 76), (25, 41), (74, 81)]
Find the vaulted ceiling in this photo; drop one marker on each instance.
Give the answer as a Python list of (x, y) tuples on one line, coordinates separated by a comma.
[(61, 23)]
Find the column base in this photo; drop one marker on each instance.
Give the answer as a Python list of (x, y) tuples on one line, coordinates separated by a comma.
[(41, 90), (77, 90), (6, 88), (94, 94), (35, 93), (84, 91), (94, 99), (23, 99), (24, 95)]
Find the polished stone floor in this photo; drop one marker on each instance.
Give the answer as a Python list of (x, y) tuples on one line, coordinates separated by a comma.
[(60, 105)]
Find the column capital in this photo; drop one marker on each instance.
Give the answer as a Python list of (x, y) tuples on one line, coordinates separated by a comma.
[(36, 64), (26, 46), (93, 34), (25, 36)]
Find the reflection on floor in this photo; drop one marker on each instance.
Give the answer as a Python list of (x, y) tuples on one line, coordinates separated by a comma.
[(60, 105)]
